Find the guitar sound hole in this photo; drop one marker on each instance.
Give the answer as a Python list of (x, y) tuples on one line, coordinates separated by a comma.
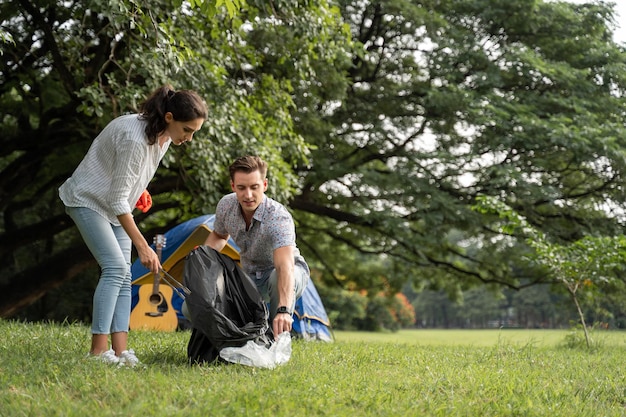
[(162, 307), (156, 299)]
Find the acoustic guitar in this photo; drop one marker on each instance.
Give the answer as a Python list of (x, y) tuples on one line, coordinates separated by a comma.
[(153, 310)]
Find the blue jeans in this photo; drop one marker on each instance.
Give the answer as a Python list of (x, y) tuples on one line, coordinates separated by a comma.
[(111, 247), (268, 288)]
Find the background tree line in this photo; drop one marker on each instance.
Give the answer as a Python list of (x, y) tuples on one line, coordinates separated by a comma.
[(383, 122)]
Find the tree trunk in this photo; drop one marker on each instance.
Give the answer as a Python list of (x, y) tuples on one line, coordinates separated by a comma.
[(581, 315)]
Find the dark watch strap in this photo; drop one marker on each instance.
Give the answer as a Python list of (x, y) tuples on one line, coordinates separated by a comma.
[(283, 310)]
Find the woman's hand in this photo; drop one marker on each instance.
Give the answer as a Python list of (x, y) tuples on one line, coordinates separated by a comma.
[(147, 255), (149, 259)]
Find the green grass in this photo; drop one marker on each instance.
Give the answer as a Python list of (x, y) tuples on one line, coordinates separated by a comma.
[(428, 337), (44, 372)]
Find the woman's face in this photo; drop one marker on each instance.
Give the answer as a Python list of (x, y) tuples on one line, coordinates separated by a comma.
[(181, 132)]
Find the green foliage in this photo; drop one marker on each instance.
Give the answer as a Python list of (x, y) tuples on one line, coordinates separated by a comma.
[(377, 316), (387, 313), (359, 310), (584, 263), (590, 260), (211, 7), (450, 100), (77, 65), (344, 308), (382, 122)]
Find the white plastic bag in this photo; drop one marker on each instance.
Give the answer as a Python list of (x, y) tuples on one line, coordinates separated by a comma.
[(252, 354)]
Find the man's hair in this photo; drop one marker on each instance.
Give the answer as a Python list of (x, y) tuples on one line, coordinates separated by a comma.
[(248, 164)]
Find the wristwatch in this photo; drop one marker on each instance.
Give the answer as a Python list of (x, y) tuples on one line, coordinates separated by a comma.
[(283, 310)]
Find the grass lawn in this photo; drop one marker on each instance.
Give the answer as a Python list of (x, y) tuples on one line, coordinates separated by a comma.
[(44, 372), (491, 337)]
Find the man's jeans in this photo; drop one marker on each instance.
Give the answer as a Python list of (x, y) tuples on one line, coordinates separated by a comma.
[(268, 289)]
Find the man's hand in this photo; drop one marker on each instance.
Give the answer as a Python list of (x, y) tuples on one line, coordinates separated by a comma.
[(282, 323), (145, 202)]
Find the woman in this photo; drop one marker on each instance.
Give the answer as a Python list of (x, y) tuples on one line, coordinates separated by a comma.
[(100, 196)]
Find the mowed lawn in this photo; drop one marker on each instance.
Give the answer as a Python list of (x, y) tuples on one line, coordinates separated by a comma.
[(485, 338), (44, 372)]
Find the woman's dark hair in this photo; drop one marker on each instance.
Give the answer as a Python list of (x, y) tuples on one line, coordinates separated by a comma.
[(185, 105)]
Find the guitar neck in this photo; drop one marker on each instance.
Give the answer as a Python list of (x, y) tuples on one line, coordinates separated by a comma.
[(159, 242)]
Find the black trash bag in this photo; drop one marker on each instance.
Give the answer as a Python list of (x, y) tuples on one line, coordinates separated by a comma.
[(226, 308)]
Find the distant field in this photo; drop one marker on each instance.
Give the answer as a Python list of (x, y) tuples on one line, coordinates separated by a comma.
[(493, 337)]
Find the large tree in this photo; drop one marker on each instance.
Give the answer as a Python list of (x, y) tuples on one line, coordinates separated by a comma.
[(380, 152), (70, 67), (449, 100)]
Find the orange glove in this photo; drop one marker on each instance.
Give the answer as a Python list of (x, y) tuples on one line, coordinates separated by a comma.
[(145, 202)]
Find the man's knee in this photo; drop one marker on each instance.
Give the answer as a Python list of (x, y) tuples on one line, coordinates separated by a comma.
[(301, 279)]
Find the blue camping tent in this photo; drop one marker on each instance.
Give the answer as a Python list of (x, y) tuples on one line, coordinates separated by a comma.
[(310, 318)]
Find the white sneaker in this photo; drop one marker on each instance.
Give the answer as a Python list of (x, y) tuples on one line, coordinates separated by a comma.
[(128, 358), (106, 357)]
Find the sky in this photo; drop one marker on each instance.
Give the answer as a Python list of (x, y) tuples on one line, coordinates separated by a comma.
[(620, 32), (620, 18)]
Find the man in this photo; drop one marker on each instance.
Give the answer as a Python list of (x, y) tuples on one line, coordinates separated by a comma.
[(265, 233)]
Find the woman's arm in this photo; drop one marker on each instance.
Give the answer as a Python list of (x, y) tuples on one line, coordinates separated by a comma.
[(147, 255)]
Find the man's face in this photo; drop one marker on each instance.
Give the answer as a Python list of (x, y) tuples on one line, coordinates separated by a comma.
[(249, 189)]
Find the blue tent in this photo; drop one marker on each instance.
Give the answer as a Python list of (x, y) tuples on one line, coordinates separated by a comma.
[(310, 318)]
